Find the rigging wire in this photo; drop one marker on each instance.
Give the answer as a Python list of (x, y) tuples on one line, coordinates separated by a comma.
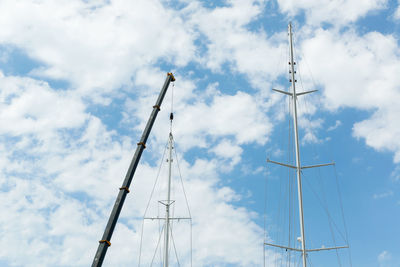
[(176, 253), (148, 203), (265, 213), (171, 115), (187, 205), (183, 187), (330, 220), (285, 208), (158, 243), (325, 208), (342, 211)]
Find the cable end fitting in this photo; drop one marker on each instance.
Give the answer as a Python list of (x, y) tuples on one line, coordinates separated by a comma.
[(125, 188), (105, 241), (172, 76), (141, 144)]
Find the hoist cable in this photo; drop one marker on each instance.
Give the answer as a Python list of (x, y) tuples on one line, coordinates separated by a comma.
[(342, 210), (183, 187), (171, 115), (187, 204)]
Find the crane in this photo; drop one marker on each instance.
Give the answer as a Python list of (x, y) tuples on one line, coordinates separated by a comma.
[(104, 243)]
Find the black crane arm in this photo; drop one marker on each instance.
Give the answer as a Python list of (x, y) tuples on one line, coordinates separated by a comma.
[(104, 243)]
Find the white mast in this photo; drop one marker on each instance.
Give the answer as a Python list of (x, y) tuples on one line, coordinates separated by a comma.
[(298, 166), (296, 137), (168, 203), (167, 228)]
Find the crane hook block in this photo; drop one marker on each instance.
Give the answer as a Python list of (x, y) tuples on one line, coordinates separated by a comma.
[(172, 76), (171, 116)]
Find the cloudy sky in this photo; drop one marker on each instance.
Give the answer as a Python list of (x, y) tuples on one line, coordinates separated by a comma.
[(78, 79)]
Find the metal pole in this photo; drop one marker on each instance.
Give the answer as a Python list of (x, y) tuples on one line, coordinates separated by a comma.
[(104, 243), (167, 205), (296, 136)]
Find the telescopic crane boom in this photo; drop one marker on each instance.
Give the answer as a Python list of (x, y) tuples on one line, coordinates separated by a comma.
[(104, 243)]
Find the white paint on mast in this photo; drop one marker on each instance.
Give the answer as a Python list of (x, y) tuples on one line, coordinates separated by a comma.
[(168, 202), (296, 136)]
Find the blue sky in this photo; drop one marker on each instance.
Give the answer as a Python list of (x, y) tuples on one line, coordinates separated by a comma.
[(77, 83)]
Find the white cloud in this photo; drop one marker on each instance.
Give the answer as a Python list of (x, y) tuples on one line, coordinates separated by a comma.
[(228, 40), (310, 128), (70, 170), (381, 131), (228, 151), (395, 175), (61, 166), (333, 127), (40, 223), (397, 12), (383, 195), (383, 258), (337, 12), (240, 116), (30, 106), (96, 46), (359, 72)]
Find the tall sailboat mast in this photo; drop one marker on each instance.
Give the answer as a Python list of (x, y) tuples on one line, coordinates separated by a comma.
[(168, 203), (297, 147), (168, 217), (298, 167)]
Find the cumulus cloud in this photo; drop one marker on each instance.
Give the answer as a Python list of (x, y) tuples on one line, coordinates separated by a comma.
[(30, 106), (61, 164), (228, 40), (333, 127), (384, 258), (68, 167), (337, 12), (397, 12), (359, 72), (196, 123), (383, 195), (95, 46)]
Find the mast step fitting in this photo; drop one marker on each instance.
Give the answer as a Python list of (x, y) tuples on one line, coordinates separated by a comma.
[(125, 188), (141, 144), (157, 107), (105, 241), (172, 76)]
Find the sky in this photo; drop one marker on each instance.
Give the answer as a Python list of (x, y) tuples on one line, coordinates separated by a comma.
[(78, 79)]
